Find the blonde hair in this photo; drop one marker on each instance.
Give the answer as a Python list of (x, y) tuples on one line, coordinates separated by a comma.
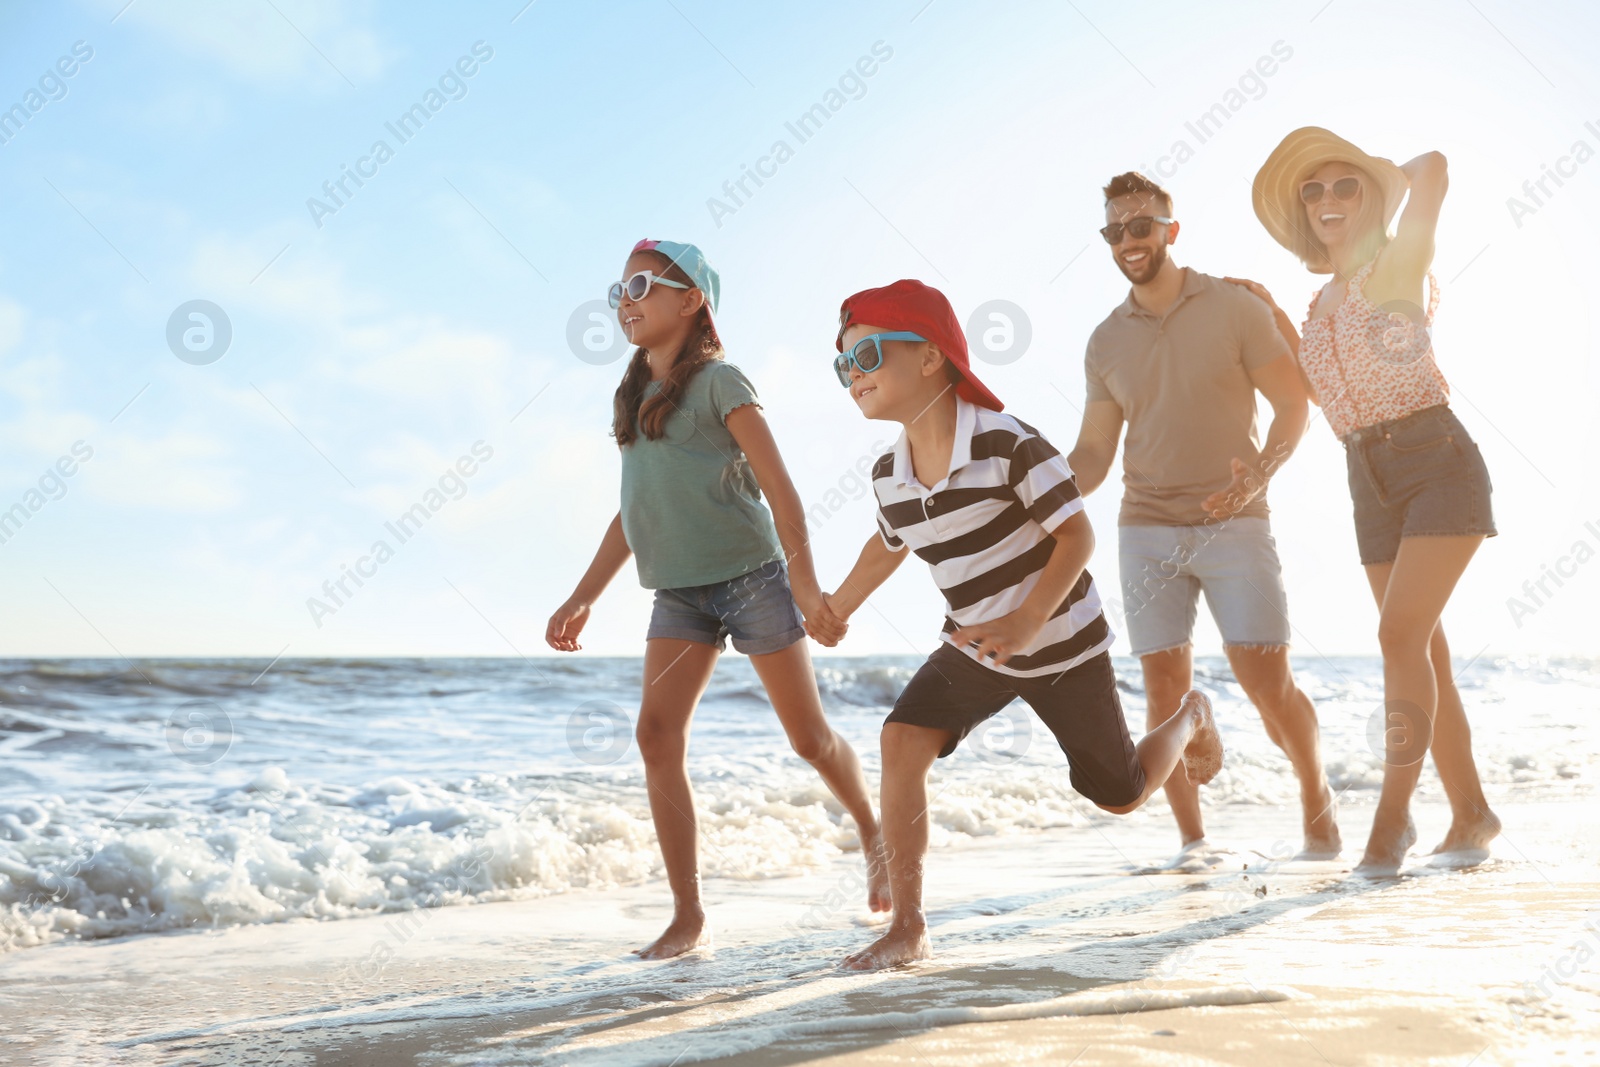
[(1371, 233)]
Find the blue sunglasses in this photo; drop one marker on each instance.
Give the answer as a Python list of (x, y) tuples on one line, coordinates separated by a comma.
[(867, 354)]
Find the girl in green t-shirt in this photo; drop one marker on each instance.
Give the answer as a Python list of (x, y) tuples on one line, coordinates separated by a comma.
[(697, 455)]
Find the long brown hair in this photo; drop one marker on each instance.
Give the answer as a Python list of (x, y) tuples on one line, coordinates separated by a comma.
[(699, 348), (1371, 235)]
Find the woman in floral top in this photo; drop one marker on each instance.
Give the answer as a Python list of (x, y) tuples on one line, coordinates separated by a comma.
[(1417, 480)]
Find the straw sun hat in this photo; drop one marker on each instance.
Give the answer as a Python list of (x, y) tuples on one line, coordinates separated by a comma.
[(1276, 193)]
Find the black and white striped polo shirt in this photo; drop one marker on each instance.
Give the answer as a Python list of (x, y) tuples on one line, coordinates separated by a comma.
[(985, 531)]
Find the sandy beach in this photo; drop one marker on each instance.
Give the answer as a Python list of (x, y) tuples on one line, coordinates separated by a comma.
[(1256, 960)]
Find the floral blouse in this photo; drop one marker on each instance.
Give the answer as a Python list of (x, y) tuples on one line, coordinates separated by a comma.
[(1369, 365)]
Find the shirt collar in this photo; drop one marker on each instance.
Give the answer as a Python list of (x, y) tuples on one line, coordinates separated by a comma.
[(1191, 286), (960, 450)]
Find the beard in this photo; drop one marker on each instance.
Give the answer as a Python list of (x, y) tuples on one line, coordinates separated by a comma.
[(1148, 269)]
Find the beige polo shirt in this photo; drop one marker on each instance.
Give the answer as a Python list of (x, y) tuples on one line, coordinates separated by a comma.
[(1182, 382)]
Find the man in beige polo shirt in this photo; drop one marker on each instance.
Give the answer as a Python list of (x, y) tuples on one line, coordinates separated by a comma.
[(1180, 362)]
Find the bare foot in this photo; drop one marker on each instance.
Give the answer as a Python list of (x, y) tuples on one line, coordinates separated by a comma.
[(1322, 838), (878, 898), (1196, 857), (1475, 833), (1386, 850), (687, 931), (1467, 842), (901, 944), (1202, 759)]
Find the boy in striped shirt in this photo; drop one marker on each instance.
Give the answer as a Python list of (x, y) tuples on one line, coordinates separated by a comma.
[(994, 510)]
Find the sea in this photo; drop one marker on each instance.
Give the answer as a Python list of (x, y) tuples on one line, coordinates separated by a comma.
[(203, 794)]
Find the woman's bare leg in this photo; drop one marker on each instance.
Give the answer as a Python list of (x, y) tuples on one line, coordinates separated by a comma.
[(792, 687), (1417, 587), (676, 674), (1473, 825)]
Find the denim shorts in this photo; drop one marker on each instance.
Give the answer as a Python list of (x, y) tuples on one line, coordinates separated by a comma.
[(757, 609), (1420, 476), (1234, 562)]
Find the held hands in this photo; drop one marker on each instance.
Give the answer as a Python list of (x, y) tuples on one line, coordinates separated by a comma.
[(1245, 487), (1000, 638), (825, 624), (565, 626)]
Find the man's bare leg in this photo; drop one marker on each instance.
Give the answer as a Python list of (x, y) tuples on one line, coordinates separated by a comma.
[(1290, 720), (908, 753), (676, 673), (1168, 676), (791, 685)]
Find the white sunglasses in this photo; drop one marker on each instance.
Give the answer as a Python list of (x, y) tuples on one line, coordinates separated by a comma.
[(638, 287)]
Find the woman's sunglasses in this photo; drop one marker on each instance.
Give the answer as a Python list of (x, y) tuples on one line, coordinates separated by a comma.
[(1343, 189), (638, 287), (1139, 227), (867, 354)]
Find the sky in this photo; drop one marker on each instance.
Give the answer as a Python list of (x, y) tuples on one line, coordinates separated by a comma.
[(428, 331)]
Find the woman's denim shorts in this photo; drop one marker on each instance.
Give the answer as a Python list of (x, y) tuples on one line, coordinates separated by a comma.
[(1420, 476), (757, 609)]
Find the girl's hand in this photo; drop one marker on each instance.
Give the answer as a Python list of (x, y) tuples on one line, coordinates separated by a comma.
[(1255, 288), (826, 626), (565, 626)]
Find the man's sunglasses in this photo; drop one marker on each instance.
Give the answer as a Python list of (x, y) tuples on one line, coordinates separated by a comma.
[(1139, 227), (1343, 189), (867, 354), (638, 287)]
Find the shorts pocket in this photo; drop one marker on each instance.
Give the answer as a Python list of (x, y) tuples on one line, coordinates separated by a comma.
[(1409, 441)]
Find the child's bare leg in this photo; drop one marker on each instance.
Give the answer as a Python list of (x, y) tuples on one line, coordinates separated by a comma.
[(1189, 736), (908, 752), (676, 673), (792, 687)]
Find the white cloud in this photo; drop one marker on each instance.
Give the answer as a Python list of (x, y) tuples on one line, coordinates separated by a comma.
[(281, 44), (180, 471)]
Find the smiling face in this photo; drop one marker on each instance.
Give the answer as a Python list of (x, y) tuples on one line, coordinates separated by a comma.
[(1334, 221), (662, 319), (1140, 258), (903, 382)]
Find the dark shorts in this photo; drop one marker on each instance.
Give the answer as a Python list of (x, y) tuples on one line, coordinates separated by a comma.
[(757, 609), (1420, 476), (954, 692)]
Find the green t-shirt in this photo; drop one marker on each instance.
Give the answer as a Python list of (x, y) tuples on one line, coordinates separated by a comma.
[(691, 508)]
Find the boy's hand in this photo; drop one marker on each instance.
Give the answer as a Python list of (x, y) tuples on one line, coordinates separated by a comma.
[(565, 626), (826, 626), (1000, 638)]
